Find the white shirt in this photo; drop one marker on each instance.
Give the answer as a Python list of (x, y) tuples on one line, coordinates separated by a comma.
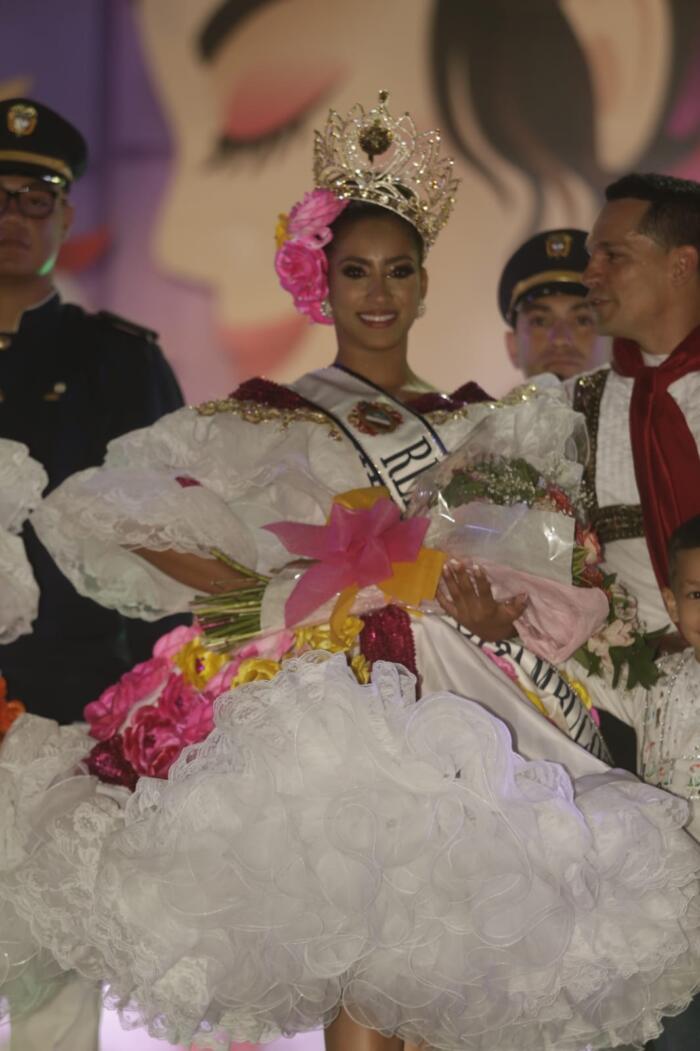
[(616, 482), (667, 721)]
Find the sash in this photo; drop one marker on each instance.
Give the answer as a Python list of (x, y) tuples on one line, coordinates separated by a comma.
[(548, 689), (395, 444)]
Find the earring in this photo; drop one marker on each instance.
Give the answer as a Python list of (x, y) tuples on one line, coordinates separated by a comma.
[(326, 308), (420, 312)]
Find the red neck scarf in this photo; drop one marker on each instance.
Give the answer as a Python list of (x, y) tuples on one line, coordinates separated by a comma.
[(665, 453)]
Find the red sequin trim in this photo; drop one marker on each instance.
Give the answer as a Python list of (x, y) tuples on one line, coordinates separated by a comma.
[(388, 636), (265, 392)]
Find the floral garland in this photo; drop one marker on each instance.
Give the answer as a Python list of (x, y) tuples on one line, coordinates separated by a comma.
[(300, 261)]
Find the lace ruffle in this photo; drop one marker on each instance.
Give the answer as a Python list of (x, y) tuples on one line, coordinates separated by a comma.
[(335, 844)]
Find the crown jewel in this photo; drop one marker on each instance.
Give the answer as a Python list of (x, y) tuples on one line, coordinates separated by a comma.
[(370, 155)]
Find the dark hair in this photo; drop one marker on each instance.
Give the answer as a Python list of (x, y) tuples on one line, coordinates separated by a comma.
[(357, 210), (520, 74), (685, 538), (673, 215)]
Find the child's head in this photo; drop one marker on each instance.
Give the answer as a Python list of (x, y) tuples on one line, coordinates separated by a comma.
[(682, 598)]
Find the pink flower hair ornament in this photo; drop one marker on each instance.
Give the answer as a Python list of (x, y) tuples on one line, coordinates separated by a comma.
[(300, 261)]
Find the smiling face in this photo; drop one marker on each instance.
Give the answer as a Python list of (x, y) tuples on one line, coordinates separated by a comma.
[(683, 597), (555, 333), (629, 276), (243, 107), (28, 247), (375, 285)]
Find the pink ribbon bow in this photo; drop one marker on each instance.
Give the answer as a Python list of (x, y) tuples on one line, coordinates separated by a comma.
[(355, 548)]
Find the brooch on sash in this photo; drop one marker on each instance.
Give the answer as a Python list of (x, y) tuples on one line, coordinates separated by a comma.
[(375, 417)]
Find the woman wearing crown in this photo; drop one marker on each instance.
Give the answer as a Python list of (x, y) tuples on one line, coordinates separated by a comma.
[(331, 853)]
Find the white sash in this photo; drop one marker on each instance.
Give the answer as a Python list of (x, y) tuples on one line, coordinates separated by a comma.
[(394, 443)]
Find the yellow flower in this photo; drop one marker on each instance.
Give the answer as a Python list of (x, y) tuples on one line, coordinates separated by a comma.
[(534, 700), (255, 669), (281, 230), (198, 664), (362, 668), (319, 637), (578, 687)]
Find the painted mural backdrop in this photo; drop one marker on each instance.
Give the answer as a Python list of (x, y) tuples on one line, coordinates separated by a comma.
[(200, 113)]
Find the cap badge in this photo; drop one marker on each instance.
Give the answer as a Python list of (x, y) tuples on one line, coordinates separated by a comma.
[(558, 246), (21, 119)]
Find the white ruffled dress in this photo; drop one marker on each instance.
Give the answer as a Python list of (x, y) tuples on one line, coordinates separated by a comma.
[(331, 844), (22, 480), (335, 844)]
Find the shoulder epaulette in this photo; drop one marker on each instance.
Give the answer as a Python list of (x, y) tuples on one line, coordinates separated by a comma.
[(122, 324)]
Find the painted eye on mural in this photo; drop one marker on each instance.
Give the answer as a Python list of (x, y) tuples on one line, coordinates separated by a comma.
[(265, 111), (230, 149)]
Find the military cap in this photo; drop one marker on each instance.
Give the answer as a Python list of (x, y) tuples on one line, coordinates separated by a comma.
[(36, 141), (549, 263)]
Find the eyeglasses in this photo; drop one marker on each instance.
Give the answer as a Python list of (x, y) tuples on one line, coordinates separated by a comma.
[(33, 202)]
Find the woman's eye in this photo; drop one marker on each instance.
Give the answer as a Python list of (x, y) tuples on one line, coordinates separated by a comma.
[(405, 270), (353, 271), (584, 322)]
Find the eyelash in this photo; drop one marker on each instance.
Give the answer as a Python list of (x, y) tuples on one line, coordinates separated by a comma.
[(229, 151), (355, 273)]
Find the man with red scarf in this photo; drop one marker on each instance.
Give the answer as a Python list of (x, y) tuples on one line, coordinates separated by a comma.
[(643, 412)]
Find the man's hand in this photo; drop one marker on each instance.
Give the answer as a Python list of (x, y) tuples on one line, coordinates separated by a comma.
[(465, 594)]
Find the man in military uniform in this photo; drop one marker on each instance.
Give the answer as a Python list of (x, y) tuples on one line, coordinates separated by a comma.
[(69, 383), (541, 296)]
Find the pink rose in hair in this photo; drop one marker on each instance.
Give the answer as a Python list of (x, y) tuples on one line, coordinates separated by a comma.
[(309, 220), (301, 270)]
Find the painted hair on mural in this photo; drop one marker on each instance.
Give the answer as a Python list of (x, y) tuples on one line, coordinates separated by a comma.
[(535, 105)]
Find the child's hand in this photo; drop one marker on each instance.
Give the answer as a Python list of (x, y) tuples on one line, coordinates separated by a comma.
[(465, 593)]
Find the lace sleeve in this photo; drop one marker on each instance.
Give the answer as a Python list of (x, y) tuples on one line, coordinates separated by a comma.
[(22, 480), (188, 483)]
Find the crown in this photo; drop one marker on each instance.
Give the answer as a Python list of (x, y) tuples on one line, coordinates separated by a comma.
[(410, 177)]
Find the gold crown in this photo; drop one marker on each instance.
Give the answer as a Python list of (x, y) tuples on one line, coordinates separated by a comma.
[(412, 179)]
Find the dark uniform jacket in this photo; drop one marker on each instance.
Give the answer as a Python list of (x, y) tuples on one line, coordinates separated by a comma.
[(69, 383)]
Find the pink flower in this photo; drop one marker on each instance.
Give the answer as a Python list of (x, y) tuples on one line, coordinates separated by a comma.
[(619, 633), (300, 261), (588, 540), (190, 711), (107, 713), (623, 604), (152, 742), (168, 645), (302, 271), (502, 663), (309, 220)]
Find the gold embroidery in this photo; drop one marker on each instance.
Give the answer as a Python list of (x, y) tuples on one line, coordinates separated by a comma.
[(255, 412)]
